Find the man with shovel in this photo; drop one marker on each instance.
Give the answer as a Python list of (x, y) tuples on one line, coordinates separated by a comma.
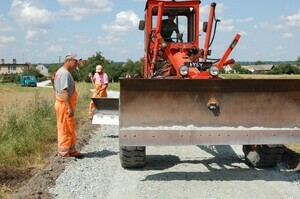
[(100, 80)]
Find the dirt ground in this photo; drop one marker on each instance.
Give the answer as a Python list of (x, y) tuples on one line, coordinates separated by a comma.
[(31, 183)]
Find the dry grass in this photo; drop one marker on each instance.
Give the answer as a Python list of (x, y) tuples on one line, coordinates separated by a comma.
[(259, 76), (294, 147), (5, 192), (28, 123)]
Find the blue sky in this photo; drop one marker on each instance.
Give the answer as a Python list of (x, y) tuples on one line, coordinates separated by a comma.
[(39, 31)]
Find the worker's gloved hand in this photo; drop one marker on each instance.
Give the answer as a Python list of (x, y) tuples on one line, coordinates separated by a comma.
[(70, 112)]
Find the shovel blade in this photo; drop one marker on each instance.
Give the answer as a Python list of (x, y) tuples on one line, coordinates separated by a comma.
[(178, 112)]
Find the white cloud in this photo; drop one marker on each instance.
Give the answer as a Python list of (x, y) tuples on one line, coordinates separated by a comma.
[(107, 40), (4, 27), (288, 35), (269, 26), (204, 10), (33, 18), (243, 33), (226, 25), (245, 20), (82, 39), (7, 39), (287, 21), (124, 22), (79, 9), (35, 35), (293, 20), (28, 13), (54, 48)]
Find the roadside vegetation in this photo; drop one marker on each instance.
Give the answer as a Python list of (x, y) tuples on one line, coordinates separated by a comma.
[(28, 137)]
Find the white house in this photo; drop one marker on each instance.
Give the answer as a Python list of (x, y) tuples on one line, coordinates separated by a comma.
[(259, 69), (228, 68), (43, 69)]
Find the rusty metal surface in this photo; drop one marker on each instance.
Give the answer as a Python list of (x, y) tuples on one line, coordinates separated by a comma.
[(107, 105), (206, 137), (263, 103)]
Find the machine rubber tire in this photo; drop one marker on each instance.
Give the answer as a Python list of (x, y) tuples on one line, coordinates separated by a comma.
[(263, 155), (132, 156)]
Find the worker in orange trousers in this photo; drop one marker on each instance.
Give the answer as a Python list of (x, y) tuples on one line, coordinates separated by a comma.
[(100, 80), (66, 98)]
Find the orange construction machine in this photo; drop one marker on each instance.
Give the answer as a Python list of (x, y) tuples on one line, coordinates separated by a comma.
[(181, 100)]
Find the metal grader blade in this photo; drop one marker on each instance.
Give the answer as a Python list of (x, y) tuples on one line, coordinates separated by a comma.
[(107, 111), (191, 112)]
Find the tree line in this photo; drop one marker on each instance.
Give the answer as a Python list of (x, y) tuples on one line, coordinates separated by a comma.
[(114, 70), (281, 68)]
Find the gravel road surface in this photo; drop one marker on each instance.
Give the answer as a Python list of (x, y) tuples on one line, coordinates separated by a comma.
[(171, 172)]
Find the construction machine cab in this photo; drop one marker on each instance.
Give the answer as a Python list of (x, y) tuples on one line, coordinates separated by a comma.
[(185, 19), (182, 18)]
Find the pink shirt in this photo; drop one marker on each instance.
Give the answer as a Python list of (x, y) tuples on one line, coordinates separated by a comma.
[(103, 78)]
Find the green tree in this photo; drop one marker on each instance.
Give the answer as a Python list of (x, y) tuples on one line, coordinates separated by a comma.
[(285, 68), (288, 68), (239, 69), (276, 70), (134, 69), (52, 69), (33, 71), (298, 61), (113, 70), (259, 63)]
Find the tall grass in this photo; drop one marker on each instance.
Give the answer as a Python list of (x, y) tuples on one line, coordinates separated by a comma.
[(114, 86), (28, 131), (27, 124)]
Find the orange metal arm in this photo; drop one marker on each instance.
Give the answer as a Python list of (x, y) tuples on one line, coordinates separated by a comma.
[(228, 51), (208, 32), (157, 33)]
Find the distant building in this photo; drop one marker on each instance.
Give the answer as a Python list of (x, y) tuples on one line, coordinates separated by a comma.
[(228, 68), (13, 68), (42, 69), (259, 69)]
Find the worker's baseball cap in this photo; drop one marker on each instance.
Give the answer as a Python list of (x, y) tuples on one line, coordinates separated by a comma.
[(98, 68), (72, 56)]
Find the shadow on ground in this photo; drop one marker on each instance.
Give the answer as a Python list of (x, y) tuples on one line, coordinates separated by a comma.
[(225, 165)]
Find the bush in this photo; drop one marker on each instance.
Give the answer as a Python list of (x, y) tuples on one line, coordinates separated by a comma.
[(285, 68), (13, 78)]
